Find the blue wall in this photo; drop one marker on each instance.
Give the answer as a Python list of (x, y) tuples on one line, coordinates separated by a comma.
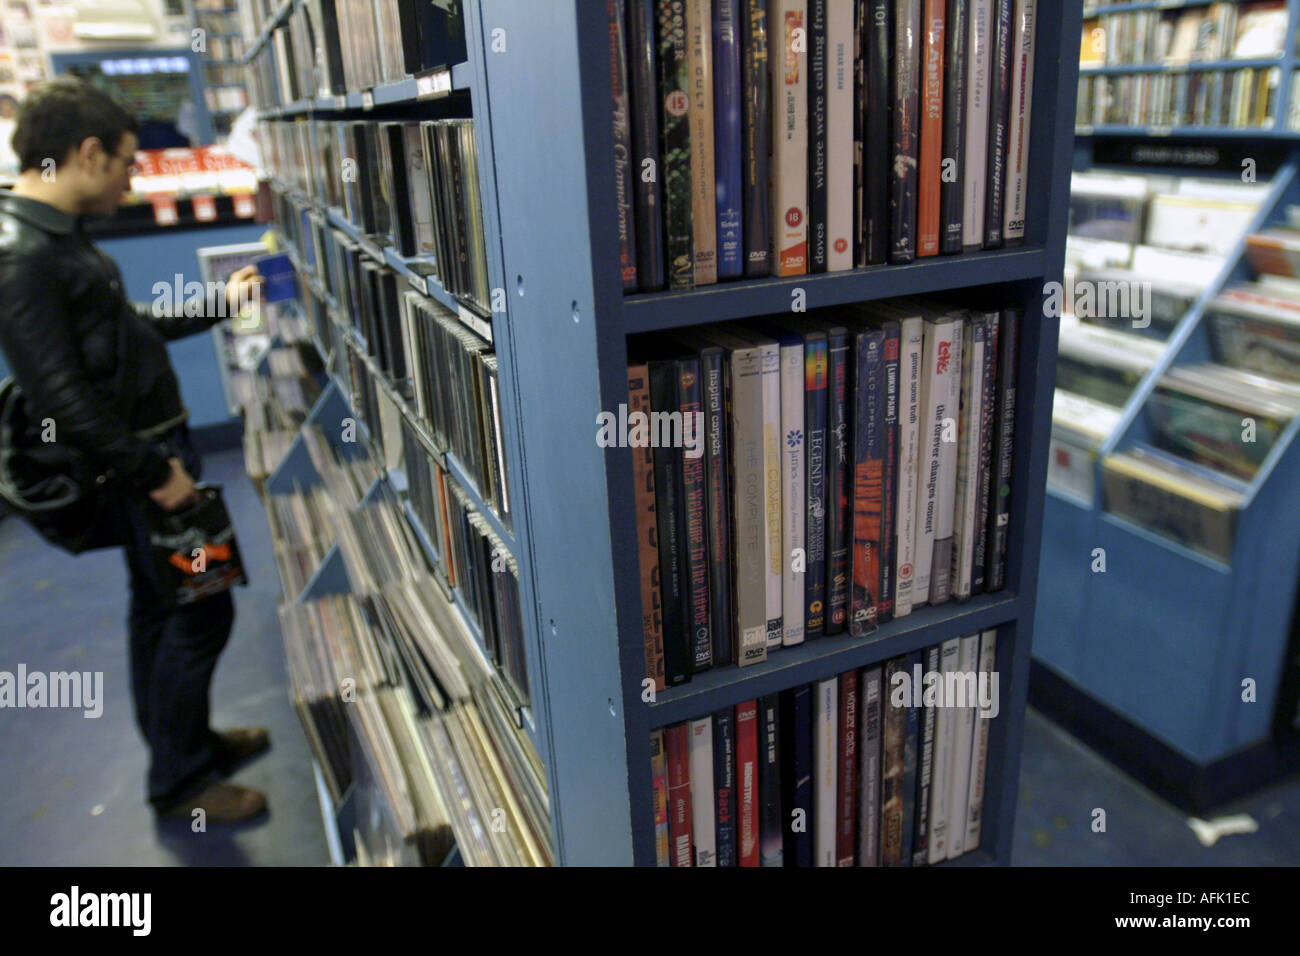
[(158, 257)]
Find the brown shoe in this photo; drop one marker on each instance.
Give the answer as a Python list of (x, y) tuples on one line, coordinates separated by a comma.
[(220, 803), (239, 745)]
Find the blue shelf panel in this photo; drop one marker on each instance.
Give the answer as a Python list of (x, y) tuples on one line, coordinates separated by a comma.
[(1169, 544), (829, 656), (338, 820), (432, 85), (1188, 132), (330, 577), (1191, 66), (1163, 5), (1068, 498), (658, 311)]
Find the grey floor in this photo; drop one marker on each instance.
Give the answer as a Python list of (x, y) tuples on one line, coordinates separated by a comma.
[(71, 788)]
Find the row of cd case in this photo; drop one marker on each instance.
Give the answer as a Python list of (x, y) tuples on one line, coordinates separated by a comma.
[(329, 47), (445, 372), (412, 185)]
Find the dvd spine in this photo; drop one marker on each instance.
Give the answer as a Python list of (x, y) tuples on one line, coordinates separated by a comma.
[(877, 39), (839, 501), (724, 785), (988, 404), (977, 122), (930, 172), (1022, 108), (643, 472), (748, 506), (704, 834), (869, 768), (910, 741), (894, 732), (905, 148), (674, 83), (716, 438), (818, 204), (825, 766), (925, 770), (704, 216), (659, 791), (952, 195), (747, 786), (946, 494), (677, 744), (909, 438), (840, 41), (771, 815), (694, 496), (648, 200), (797, 775), (623, 178), (889, 473), (1000, 38), (1004, 435), (727, 126), (788, 65), (670, 520), (793, 488), (815, 418), (757, 137), (846, 780), (868, 463)]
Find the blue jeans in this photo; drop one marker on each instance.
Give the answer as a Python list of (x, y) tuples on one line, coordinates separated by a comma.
[(174, 652)]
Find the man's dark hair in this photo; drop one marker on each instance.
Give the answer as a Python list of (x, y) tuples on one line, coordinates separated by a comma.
[(59, 115)]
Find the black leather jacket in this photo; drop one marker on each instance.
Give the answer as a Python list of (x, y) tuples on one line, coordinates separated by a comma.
[(82, 354)]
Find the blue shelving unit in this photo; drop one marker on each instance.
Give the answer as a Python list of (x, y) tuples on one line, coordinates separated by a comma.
[(564, 342), (545, 146), (1146, 661), (1288, 62)]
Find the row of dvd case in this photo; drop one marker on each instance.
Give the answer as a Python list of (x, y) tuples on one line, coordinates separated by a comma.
[(884, 766), (411, 185), (1235, 99), (330, 47)]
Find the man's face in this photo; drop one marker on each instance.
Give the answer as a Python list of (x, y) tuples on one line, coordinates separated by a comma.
[(109, 176)]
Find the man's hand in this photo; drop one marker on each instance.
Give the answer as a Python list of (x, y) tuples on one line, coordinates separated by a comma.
[(244, 287), (178, 492)]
